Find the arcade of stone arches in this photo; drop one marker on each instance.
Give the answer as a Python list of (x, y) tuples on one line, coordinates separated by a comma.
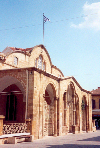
[(68, 113)]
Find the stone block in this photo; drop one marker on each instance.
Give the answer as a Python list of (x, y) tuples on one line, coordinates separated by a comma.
[(12, 140), (31, 139)]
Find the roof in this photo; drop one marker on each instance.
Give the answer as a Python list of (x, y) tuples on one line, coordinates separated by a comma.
[(9, 50), (96, 91), (20, 49)]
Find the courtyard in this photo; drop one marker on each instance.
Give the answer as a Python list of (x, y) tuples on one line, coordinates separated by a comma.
[(82, 140)]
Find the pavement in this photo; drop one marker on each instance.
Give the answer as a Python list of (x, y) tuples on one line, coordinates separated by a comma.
[(81, 140)]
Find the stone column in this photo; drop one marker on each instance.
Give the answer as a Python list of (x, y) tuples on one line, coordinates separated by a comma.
[(1, 124), (93, 121), (77, 114), (55, 116), (65, 111), (74, 110), (28, 122), (89, 112), (87, 121)]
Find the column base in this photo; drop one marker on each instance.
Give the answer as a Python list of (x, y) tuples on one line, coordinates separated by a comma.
[(75, 129), (94, 128), (55, 135)]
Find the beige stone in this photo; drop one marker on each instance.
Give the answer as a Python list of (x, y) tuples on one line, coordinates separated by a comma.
[(55, 104)]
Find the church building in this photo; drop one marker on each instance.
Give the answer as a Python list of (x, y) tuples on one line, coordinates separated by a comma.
[(35, 93)]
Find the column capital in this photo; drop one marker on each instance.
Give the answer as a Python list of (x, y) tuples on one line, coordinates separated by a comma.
[(2, 116)]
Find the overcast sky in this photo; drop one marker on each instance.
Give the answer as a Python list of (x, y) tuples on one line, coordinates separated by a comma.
[(72, 37)]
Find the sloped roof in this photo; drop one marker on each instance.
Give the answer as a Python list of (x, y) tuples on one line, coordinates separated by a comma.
[(96, 91), (9, 50)]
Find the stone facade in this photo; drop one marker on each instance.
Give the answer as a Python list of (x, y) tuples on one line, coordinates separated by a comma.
[(33, 89), (96, 106)]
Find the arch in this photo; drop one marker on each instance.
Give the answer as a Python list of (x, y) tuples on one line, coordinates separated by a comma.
[(70, 92), (71, 98), (9, 80), (50, 94), (34, 54), (11, 98), (53, 85), (43, 47), (13, 107)]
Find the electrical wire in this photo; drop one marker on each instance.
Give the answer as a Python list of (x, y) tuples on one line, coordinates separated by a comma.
[(56, 21)]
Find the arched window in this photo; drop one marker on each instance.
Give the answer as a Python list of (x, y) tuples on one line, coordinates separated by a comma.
[(40, 62), (15, 61)]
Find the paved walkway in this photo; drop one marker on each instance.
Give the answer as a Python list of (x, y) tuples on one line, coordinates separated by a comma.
[(84, 140)]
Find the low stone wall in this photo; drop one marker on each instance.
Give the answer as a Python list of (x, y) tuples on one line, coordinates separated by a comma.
[(11, 128)]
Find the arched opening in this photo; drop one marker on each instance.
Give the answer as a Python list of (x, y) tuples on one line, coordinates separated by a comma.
[(83, 108), (12, 100), (49, 110), (13, 107), (64, 114)]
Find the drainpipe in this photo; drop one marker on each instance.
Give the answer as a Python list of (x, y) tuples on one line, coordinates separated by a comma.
[(27, 77)]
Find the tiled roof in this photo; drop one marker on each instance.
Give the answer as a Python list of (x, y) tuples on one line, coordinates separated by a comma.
[(96, 91), (9, 50), (20, 49)]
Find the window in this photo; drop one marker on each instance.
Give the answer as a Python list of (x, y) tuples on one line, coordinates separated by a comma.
[(15, 61), (93, 103), (40, 62), (11, 105), (99, 103)]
